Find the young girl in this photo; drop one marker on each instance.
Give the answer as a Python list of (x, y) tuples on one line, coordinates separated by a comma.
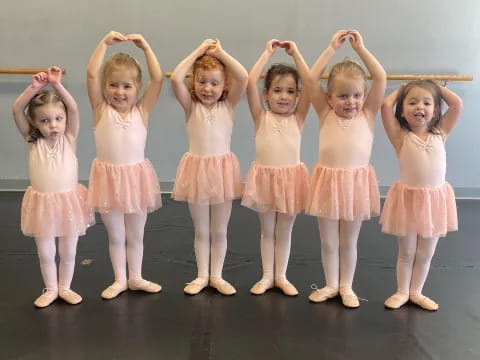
[(344, 190), (208, 175), (419, 207), (54, 205), (277, 185), (123, 184)]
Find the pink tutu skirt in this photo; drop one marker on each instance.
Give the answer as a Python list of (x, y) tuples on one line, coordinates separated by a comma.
[(130, 188), (208, 180), (347, 194), (56, 214), (276, 189), (428, 212)]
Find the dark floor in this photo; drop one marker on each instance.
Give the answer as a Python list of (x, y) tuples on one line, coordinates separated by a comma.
[(171, 325)]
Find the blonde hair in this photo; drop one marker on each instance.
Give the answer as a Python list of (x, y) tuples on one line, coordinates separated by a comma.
[(207, 62), (348, 68), (42, 98), (121, 60)]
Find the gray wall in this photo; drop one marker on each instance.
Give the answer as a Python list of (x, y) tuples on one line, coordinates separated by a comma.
[(407, 36)]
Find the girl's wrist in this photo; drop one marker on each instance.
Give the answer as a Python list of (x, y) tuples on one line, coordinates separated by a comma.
[(331, 48)]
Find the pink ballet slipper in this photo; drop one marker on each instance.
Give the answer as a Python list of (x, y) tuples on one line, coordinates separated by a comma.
[(286, 287), (144, 285), (222, 286), (114, 290), (197, 285), (69, 296), (424, 302), (323, 294), (396, 301), (349, 298), (48, 296), (262, 286)]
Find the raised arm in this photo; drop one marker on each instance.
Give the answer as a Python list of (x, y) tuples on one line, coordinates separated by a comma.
[(377, 91), (304, 99), (73, 118), (390, 122), (38, 82), (239, 74), (154, 86), (180, 89), (254, 96), (452, 115), (94, 76), (318, 96)]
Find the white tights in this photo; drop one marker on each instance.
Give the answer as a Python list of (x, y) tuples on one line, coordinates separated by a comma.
[(125, 243), (339, 250), (275, 243), (67, 249), (210, 220), (414, 256)]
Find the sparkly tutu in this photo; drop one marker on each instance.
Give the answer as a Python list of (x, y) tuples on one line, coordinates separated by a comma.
[(347, 194), (428, 212), (56, 214), (276, 189), (208, 180), (130, 188)]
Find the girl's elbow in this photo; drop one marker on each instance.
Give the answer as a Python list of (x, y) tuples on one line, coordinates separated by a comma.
[(157, 80), (460, 104), (91, 75), (73, 108), (243, 78), (175, 79)]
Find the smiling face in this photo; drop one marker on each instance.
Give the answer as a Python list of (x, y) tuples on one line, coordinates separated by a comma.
[(121, 89), (209, 85), (282, 95), (347, 96), (418, 108), (51, 120)]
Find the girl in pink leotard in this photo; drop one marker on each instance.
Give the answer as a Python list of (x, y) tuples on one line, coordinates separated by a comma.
[(420, 207), (208, 175), (343, 187), (54, 204), (277, 183), (123, 183)]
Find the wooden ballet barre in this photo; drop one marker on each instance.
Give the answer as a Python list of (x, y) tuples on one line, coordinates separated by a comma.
[(25, 70), (429, 77), (399, 77)]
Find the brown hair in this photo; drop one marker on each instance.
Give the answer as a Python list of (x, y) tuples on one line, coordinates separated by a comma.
[(121, 60), (280, 70), (428, 85), (347, 67), (207, 62), (42, 98)]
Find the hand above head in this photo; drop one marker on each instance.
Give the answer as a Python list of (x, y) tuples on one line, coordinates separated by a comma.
[(214, 49), (289, 46), (54, 75), (114, 37), (205, 45), (39, 80), (355, 39), (138, 40), (338, 39), (271, 46)]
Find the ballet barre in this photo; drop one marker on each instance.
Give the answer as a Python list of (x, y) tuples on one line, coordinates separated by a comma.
[(324, 75), (25, 70), (400, 77)]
